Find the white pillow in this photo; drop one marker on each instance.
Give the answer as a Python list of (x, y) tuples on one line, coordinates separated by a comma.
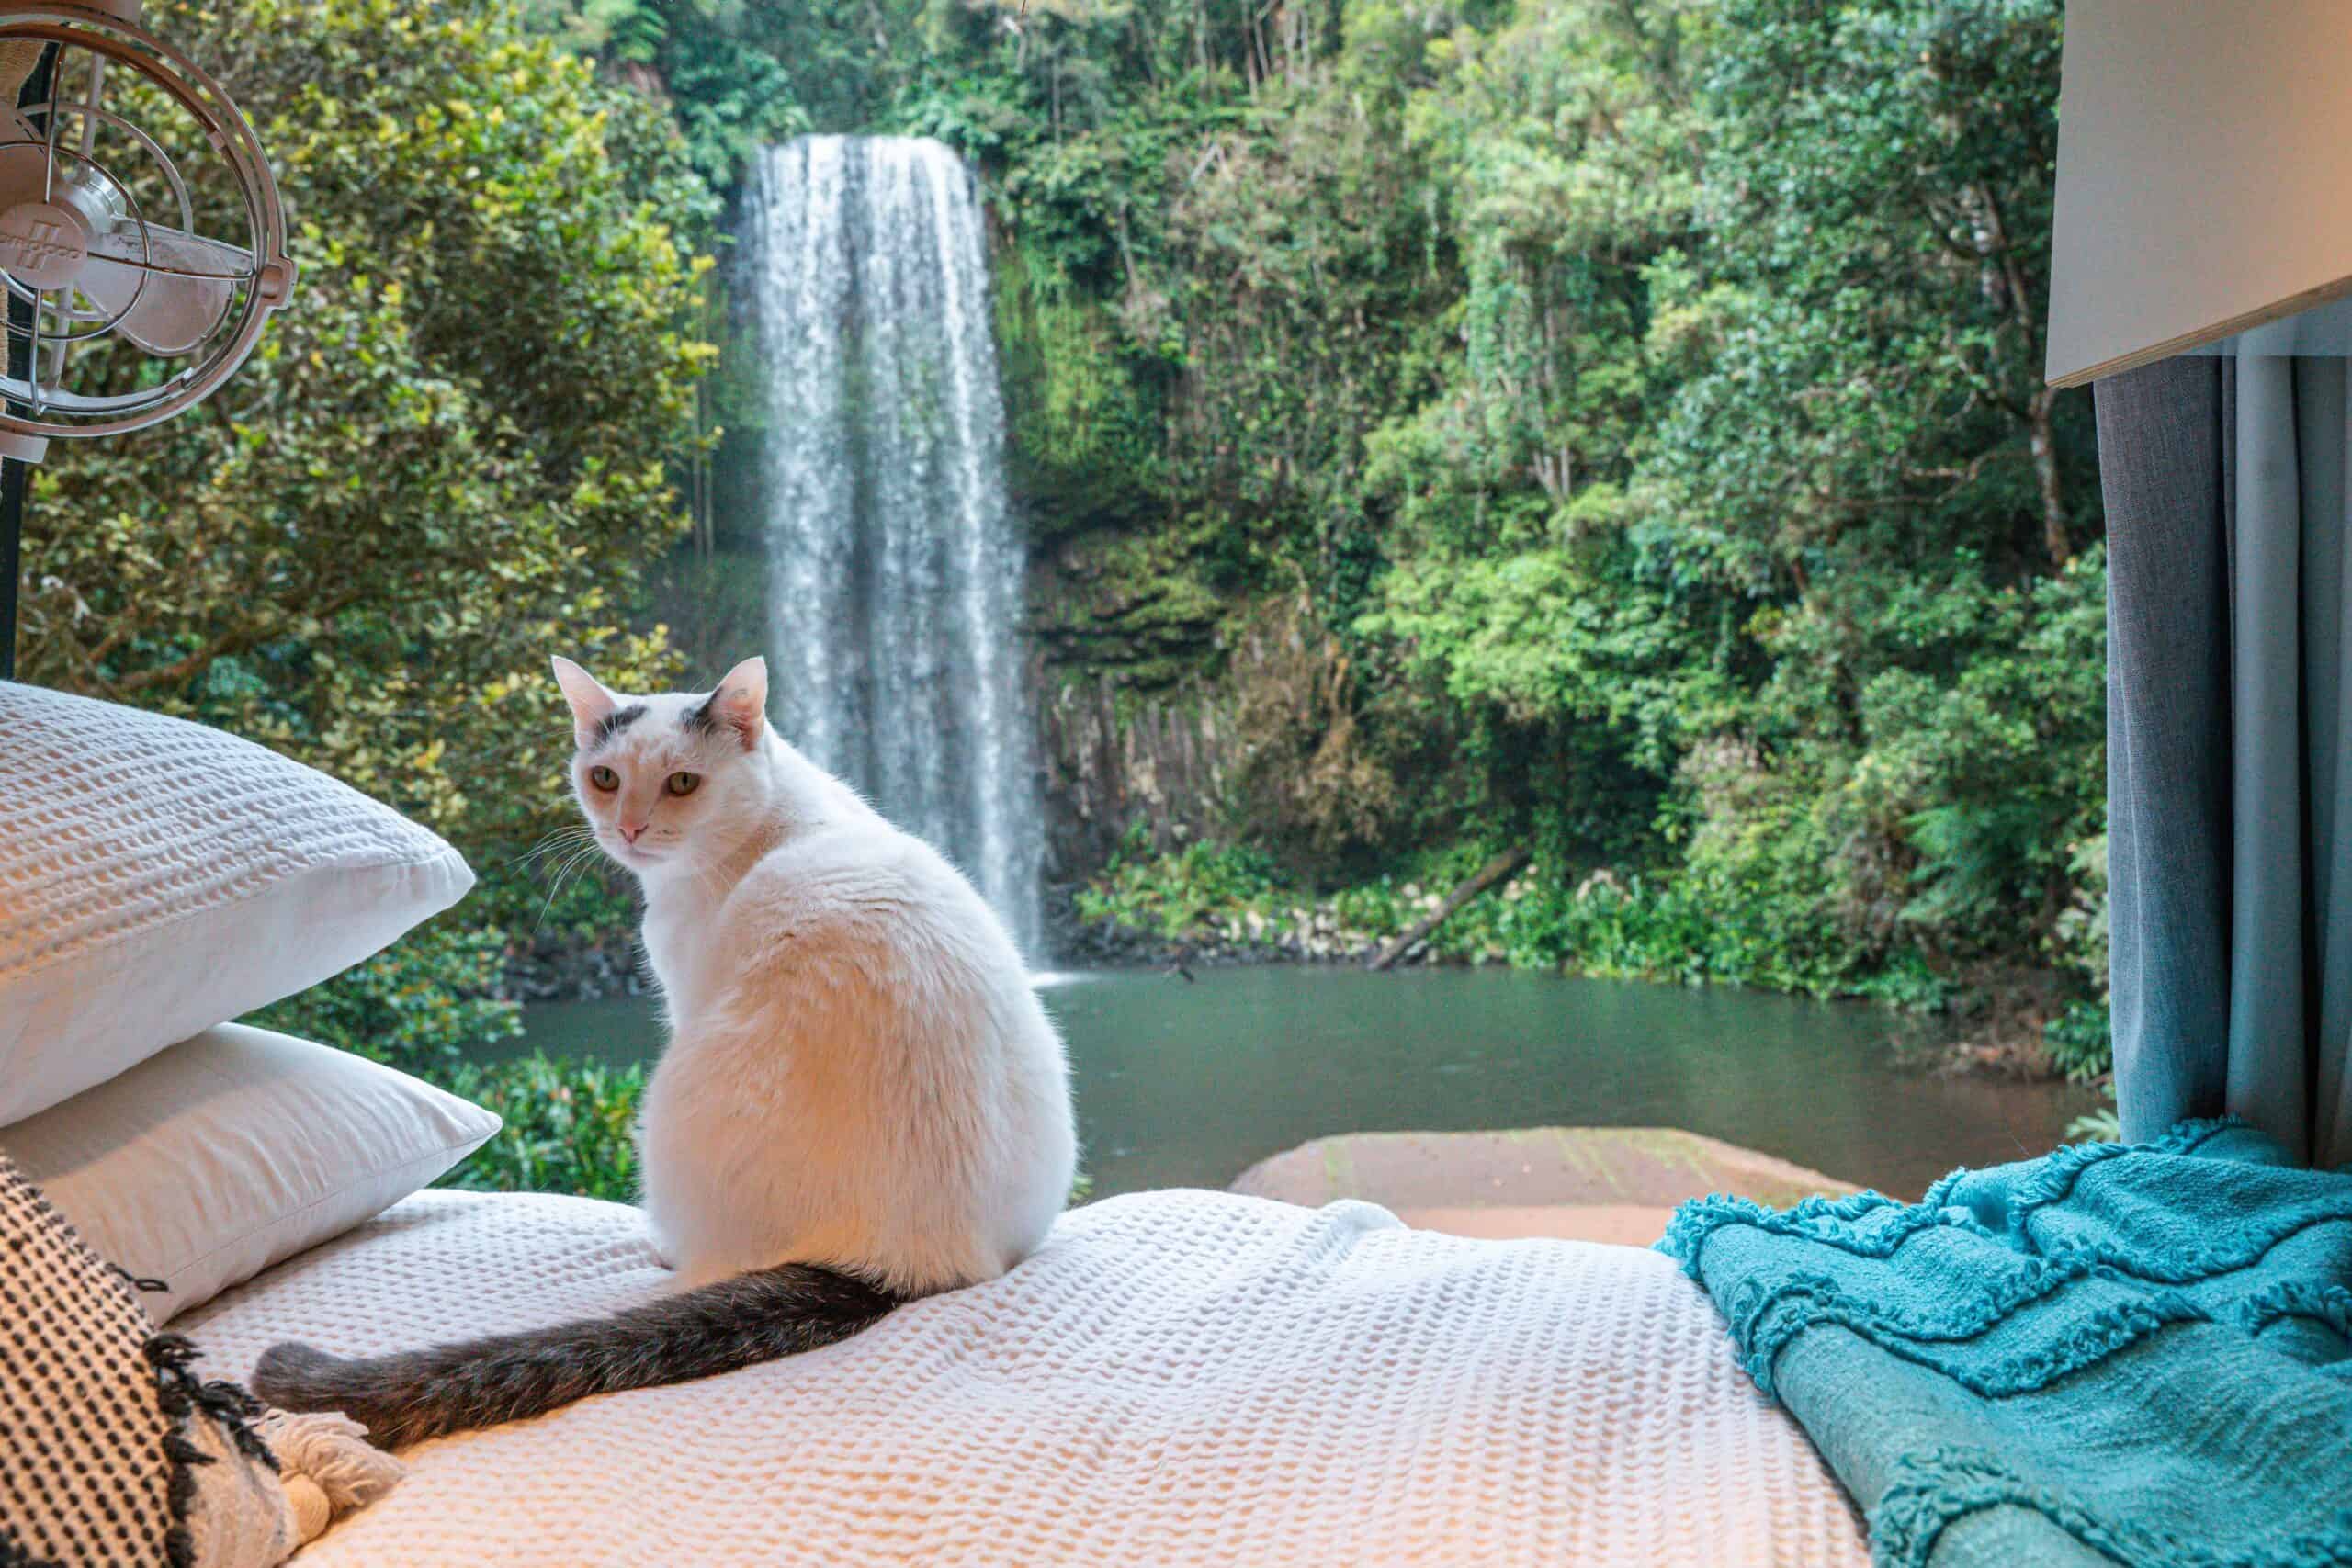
[(158, 877), (203, 1166)]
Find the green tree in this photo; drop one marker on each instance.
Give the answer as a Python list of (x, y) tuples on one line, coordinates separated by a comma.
[(1565, 160), (446, 461), (1867, 453)]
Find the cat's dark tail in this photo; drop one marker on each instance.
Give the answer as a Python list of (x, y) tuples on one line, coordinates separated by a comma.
[(415, 1394)]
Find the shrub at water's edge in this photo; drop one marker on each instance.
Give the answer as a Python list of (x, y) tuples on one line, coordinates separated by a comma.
[(2100, 1126), (570, 1126), (1216, 901)]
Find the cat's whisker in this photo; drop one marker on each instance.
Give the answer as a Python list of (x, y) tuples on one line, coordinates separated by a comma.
[(573, 860), (563, 870), (567, 855), (571, 832)]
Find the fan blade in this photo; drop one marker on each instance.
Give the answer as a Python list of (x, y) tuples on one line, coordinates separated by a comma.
[(188, 282)]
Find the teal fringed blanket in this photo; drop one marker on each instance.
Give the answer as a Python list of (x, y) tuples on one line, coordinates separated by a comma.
[(2136, 1354)]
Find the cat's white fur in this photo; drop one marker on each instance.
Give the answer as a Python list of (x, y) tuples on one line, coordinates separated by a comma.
[(858, 1072)]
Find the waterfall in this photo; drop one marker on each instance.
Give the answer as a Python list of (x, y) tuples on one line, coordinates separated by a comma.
[(894, 590)]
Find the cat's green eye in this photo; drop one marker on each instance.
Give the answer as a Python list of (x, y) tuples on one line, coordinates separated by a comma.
[(604, 779), (682, 784)]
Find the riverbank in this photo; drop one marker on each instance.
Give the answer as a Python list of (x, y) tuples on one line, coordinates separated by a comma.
[(555, 969), (1211, 904), (1994, 1020)]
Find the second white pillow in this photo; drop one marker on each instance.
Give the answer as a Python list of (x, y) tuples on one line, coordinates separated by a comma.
[(206, 1164)]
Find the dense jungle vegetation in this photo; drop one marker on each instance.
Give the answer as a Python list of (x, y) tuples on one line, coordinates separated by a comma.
[(1625, 413), (1622, 416)]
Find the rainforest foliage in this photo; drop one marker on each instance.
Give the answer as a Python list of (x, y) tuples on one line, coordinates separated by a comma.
[(446, 459), (1627, 413), (1642, 397)]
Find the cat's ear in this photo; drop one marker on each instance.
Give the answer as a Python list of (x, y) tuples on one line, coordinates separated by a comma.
[(741, 701), (591, 703)]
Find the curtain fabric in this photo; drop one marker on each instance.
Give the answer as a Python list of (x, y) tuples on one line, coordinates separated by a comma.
[(2230, 745)]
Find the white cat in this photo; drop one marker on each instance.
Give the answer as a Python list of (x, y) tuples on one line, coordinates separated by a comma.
[(858, 1070), (862, 1099)]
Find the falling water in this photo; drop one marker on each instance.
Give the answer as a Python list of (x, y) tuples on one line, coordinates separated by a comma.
[(896, 583)]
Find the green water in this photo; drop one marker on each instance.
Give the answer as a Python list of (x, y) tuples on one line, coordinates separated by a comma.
[(1187, 1084)]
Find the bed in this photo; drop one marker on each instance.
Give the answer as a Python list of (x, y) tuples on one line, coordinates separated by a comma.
[(1177, 1377)]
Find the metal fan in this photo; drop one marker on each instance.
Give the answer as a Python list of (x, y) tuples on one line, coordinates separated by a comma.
[(142, 243), (104, 233)]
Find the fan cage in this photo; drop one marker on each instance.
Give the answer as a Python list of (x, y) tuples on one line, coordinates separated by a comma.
[(40, 407)]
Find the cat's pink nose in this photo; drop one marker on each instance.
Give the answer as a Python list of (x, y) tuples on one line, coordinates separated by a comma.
[(630, 830)]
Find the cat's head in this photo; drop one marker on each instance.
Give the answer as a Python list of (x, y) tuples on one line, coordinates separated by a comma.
[(657, 776)]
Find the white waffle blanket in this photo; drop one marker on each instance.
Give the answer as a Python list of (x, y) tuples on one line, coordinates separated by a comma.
[(1176, 1378)]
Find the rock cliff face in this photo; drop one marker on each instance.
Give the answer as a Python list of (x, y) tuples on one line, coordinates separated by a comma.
[(1124, 655), (1113, 757), (1161, 707), (1175, 684)]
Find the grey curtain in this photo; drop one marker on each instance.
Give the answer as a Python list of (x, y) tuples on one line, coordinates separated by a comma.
[(2230, 745)]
